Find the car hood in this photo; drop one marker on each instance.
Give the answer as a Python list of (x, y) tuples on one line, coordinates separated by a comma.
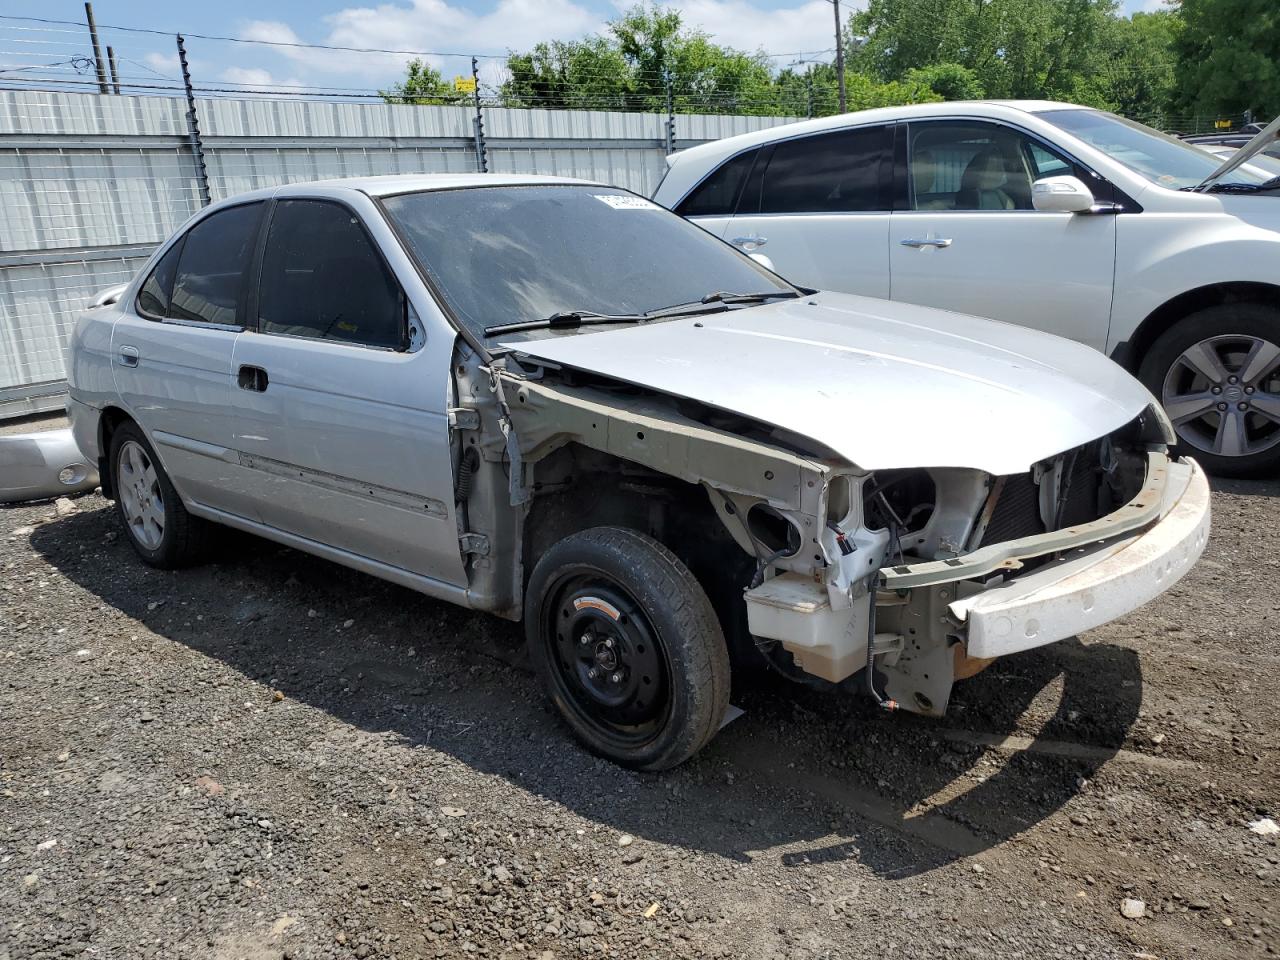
[(884, 385)]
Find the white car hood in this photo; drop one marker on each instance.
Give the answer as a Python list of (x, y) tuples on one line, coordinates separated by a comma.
[(884, 385)]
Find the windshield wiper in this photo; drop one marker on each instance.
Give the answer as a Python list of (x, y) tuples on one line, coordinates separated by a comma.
[(721, 299), (1232, 187), (566, 320), (569, 319)]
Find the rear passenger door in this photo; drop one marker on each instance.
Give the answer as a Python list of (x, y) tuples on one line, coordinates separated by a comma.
[(339, 413), (171, 352), (819, 207)]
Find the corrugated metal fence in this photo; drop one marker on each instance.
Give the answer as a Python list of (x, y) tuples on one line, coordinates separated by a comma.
[(90, 183)]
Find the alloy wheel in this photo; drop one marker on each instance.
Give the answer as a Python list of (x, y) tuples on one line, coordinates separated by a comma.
[(1223, 395), (140, 497)]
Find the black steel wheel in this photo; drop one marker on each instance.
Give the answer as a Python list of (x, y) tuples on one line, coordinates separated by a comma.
[(628, 646)]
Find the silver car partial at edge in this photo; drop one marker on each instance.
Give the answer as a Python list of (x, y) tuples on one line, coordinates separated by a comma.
[(557, 402)]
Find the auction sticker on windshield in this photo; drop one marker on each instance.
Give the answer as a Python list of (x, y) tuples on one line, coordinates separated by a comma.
[(626, 202)]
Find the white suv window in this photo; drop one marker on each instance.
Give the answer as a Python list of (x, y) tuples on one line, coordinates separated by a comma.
[(970, 165), (840, 172)]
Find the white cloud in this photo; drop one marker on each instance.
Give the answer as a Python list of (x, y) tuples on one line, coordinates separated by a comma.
[(809, 27), (428, 25), (451, 28)]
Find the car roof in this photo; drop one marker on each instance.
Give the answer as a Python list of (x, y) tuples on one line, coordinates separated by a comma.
[(992, 108), (407, 183)]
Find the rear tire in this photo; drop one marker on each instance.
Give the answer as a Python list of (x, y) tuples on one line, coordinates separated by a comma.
[(628, 646), (157, 524), (1217, 372)]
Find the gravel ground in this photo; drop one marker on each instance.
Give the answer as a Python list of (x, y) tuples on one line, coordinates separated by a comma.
[(271, 756)]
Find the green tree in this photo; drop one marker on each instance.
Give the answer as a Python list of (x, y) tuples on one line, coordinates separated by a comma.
[(421, 86), (1229, 57), (950, 81), (1136, 69), (586, 74), (1015, 48)]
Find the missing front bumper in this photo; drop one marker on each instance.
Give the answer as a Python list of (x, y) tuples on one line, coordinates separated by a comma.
[(941, 627)]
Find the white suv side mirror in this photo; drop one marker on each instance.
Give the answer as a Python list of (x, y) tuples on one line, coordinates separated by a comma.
[(1061, 195)]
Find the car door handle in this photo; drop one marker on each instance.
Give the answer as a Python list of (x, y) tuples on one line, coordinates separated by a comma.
[(128, 356), (927, 242), (253, 378), (749, 241)]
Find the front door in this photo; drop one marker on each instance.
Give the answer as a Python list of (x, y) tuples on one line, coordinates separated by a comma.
[(970, 241), (818, 207), (341, 417)]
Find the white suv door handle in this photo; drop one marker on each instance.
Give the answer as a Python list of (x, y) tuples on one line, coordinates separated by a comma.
[(749, 241), (128, 356), (927, 242)]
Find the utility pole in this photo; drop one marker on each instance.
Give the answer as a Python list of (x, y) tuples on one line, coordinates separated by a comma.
[(97, 49), (115, 70), (839, 54)]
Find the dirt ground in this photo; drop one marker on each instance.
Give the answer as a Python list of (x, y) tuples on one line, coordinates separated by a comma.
[(271, 756)]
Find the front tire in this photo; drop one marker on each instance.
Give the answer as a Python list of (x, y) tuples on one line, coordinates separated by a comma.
[(628, 646), (157, 524), (1217, 372)]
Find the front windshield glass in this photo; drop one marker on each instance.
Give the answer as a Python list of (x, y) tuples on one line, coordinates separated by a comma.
[(506, 254), (1160, 158)]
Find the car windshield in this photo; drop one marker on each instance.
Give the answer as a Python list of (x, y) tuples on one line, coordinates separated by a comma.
[(1162, 159), (510, 254)]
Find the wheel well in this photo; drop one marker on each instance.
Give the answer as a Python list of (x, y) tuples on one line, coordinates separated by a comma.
[(108, 421), (578, 488), (1129, 354)]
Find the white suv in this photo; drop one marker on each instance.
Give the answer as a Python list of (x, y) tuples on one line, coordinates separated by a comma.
[(1044, 214)]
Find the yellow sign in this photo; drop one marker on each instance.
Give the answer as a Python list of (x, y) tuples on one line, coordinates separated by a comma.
[(464, 84), (1218, 124)]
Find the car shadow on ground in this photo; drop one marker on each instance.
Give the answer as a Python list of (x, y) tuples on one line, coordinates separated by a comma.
[(802, 776)]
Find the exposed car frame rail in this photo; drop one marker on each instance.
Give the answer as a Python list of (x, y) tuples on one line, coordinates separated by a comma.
[(1140, 511)]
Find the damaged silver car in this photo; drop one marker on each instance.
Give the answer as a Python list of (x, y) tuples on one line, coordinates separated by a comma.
[(555, 401)]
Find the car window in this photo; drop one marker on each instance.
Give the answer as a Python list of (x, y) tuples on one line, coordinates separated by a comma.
[(718, 194), (835, 172), (1158, 157), (153, 298), (215, 256), (1046, 164), (322, 277), (971, 165), (506, 253)]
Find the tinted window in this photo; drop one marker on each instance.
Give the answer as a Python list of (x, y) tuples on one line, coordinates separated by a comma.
[(969, 165), (830, 173), (153, 299), (507, 253), (718, 194), (323, 278), (211, 270)]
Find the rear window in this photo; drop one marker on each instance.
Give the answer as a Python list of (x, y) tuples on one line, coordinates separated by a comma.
[(211, 270), (718, 194), (837, 172)]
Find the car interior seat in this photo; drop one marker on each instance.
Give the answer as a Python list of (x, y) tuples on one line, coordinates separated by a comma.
[(982, 187)]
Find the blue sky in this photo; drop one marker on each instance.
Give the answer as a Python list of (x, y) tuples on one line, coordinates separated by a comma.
[(783, 27)]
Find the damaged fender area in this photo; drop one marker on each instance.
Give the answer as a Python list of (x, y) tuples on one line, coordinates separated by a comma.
[(790, 541)]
